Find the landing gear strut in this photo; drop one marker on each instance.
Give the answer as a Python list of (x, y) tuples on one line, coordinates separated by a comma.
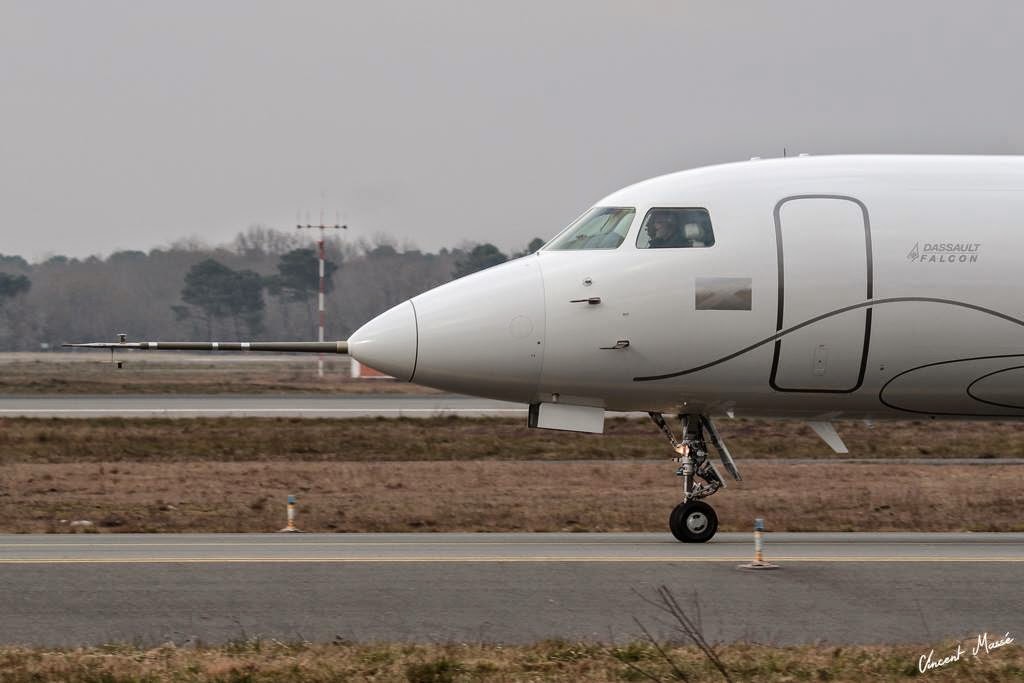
[(693, 520)]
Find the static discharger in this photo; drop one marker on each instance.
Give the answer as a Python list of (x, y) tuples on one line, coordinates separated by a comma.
[(291, 528), (758, 562)]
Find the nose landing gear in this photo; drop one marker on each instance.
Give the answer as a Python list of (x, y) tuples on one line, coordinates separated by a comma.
[(693, 520)]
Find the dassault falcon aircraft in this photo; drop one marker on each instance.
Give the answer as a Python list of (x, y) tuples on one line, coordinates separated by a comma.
[(814, 288)]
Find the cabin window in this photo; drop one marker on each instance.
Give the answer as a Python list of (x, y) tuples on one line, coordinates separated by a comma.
[(603, 227), (666, 228)]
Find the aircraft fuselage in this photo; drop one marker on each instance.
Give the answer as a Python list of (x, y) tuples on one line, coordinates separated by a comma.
[(860, 286)]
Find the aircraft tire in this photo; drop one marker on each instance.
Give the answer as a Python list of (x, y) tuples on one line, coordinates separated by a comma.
[(693, 522)]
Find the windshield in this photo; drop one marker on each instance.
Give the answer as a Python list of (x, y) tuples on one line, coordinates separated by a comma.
[(603, 227)]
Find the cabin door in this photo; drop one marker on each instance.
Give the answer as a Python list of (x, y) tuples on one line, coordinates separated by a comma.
[(824, 260)]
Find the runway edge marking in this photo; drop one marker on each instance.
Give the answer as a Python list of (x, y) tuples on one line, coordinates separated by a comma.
[(495, 560)]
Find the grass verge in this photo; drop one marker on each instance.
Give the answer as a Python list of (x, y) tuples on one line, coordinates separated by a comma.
[(69, 440), (255, 661), (155, 372)]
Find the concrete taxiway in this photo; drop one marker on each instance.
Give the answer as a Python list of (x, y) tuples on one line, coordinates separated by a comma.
[(842, 588), (257, 406)]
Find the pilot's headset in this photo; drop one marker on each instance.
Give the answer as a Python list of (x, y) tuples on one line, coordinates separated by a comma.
[(694, 234)]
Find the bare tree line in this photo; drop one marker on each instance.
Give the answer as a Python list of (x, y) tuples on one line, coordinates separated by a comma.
[(253, 287)]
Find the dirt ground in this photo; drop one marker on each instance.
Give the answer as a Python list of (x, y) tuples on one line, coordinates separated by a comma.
[(487, 495)]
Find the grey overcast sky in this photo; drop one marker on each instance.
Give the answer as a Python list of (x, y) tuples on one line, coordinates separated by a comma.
[(128, 125)]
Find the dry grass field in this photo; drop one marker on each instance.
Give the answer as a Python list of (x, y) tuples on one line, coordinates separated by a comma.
[(489, 495), (58, 440), (154, 372), (256, 661), (460, 474)]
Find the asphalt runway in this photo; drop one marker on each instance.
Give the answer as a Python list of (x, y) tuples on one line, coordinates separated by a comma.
[(389, 405), (65, 590)]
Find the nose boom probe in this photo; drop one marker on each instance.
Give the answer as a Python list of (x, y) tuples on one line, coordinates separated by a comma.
[(337, 347)]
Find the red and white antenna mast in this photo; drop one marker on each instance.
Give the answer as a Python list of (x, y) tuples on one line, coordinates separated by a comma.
[(322, 227)]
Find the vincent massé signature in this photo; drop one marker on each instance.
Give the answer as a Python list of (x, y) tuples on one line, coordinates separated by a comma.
[(982, 646)]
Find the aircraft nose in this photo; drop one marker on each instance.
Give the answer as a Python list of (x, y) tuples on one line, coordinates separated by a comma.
[(388, 342), (483, 334)]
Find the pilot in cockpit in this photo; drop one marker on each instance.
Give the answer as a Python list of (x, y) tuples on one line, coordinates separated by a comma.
[(663, 231)]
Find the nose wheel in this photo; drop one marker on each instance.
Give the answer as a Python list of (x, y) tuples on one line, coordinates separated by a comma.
[(693, 520)]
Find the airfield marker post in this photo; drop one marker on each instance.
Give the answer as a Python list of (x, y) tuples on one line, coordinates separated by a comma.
[(759, 562), (291, 528), (758, 539)]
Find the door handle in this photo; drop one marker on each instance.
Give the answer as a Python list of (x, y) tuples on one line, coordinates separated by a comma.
[(592, 301), (621, 344)]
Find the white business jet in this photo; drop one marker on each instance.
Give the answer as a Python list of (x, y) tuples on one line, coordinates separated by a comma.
[(813, 287)]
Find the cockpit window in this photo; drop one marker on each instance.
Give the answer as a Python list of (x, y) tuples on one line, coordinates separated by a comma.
[(675, 228), (603, 227)]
